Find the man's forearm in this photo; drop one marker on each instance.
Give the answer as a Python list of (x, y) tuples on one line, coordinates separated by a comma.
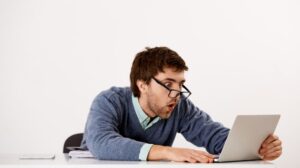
[(158, 152)]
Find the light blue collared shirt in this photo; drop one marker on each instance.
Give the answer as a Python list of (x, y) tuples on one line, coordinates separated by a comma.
[(144, 121)]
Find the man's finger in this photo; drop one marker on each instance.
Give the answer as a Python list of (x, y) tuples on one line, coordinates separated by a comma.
[(191, 160), (204, 153), (270, 146), (273, 155), (265, 151), (199, 157), (270, 139)]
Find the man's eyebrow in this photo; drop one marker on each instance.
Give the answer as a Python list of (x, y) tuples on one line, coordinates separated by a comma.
[(173, 80)]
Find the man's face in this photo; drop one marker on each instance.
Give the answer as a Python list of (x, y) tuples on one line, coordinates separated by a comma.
[(157, 96)]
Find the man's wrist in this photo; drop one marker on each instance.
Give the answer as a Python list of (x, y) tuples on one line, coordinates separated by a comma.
[(158, 152)]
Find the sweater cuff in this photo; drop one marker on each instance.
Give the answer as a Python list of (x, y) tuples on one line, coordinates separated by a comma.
[(145, 151)]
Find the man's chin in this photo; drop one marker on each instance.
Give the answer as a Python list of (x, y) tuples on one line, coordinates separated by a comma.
[(166, 115)]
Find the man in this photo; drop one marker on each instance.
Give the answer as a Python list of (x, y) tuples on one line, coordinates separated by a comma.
[(141, 122)]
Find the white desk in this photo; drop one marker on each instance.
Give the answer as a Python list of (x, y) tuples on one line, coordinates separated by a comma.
[(63, 161)]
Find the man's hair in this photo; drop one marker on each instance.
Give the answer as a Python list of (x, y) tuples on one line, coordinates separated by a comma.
[(150, 62)]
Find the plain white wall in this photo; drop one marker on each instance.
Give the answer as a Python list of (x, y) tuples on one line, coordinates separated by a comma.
[(55, 56)]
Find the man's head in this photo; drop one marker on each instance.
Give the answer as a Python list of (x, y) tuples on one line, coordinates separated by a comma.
[(157, 77)]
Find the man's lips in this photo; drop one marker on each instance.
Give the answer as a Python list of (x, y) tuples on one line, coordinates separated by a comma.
[(172, 105)]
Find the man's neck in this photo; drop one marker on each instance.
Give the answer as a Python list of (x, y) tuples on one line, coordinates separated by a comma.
[(145, 108)]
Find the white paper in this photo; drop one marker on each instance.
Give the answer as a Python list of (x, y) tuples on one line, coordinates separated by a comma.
[(37, 156)]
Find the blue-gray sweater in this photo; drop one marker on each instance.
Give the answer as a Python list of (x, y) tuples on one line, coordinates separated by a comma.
[(113, 131)]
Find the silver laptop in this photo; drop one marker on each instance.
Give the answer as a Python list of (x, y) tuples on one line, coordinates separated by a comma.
[(246, 136)]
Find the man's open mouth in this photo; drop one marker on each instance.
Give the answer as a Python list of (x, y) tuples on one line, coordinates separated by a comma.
[(171, 105)]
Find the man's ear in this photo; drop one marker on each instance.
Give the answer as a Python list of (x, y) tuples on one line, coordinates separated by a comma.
[(142, 86)]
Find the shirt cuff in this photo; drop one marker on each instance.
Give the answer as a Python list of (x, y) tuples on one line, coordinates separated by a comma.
[(145, 151)]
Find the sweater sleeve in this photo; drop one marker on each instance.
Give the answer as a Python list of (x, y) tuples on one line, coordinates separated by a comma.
[(102, 132), (198, 128)]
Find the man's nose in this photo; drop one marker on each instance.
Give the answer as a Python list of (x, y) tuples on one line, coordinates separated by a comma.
[(176, 98)]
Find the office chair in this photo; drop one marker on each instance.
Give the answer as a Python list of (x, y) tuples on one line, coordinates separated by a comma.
[(72, 141)]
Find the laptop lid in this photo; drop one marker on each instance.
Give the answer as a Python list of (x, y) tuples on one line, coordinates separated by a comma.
[(246, 136)]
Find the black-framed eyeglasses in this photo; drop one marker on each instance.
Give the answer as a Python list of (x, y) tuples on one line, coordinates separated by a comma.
[(175, 93)]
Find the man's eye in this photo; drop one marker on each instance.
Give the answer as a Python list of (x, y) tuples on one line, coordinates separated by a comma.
[(168, 84)]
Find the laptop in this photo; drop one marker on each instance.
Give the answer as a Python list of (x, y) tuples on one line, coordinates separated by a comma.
[(246, 136)]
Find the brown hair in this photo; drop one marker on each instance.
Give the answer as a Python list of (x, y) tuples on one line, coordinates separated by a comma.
[(150, 62)]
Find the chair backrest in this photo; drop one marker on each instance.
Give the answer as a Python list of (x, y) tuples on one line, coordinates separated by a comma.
[(72, 141)]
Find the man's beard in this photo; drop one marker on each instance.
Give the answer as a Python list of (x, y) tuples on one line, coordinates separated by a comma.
[(162, 112)]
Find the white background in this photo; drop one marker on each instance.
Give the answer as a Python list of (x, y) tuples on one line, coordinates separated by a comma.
[(57, 55)]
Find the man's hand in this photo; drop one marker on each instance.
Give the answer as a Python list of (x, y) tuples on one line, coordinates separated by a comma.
[(179, 154), (271, 148)]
